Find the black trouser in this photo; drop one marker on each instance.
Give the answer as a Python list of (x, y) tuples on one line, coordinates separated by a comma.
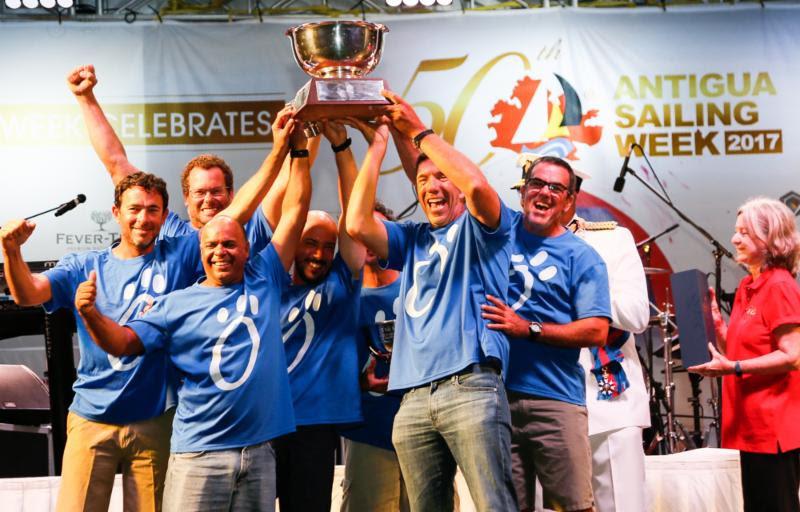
[(770, 481), (305, 463)]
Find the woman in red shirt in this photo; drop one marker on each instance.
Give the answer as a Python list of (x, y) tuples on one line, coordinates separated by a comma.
[(759, 358)]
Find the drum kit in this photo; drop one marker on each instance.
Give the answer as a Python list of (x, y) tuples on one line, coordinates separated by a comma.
[(661, 340)]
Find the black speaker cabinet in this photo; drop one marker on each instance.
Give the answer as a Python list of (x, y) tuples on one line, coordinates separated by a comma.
[(24, 405)]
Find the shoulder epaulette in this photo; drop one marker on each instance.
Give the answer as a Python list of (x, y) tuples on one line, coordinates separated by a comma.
[(606, 225)]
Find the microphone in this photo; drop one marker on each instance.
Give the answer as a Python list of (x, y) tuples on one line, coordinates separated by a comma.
[(69, 205), (619, 183)]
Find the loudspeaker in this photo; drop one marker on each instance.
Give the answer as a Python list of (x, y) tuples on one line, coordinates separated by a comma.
[(693, 316), (24, 401)]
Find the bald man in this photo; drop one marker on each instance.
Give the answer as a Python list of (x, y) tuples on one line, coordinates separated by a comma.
[(319, 322), (223, 336)]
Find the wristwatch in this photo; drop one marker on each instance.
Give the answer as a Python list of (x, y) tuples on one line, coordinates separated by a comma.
[(298, 153), (737, 369), (421, 135), (534, 330)]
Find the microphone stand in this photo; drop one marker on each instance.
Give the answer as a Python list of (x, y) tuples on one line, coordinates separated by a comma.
[(42, 213), (46, 211), (719, 250)]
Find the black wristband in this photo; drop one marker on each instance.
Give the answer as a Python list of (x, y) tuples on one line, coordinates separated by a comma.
[(737, 369), (298, 153), (341, 147), (421, 135)]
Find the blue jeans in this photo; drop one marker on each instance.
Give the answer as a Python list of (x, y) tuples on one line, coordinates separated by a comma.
[(222, 480), (460, 420)]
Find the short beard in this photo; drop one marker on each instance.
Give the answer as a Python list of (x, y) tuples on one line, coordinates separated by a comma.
[(312, 282)]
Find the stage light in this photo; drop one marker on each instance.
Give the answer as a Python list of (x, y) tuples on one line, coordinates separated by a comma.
[(427, 3), (30, 4), (394, 3), (66, 4), (410, 3), (444, 2), (13, 4), (48, 4)]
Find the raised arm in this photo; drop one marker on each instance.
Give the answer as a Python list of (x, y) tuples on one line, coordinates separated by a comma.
[(106, 333), (352, 252), (273, 202), (407, 152), (27, 288), (360, 222), (250, 195), (106, 144), (482, 200), (295, 203)]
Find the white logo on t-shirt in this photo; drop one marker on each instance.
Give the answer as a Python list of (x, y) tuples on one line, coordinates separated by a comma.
[(242, 302), (443, 253), (312, 302), (519, 266)]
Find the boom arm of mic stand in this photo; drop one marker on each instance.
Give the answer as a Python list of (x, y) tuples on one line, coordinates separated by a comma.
[(659, 235), (718, 252), (717, 246)]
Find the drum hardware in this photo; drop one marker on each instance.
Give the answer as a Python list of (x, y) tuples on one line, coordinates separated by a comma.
[(649, 271), (655, 320), (670, 436)]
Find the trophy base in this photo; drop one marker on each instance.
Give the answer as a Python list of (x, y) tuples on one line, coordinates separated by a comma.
[(335, 98)]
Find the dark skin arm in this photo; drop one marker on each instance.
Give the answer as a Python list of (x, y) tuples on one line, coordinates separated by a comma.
[(586, 332)]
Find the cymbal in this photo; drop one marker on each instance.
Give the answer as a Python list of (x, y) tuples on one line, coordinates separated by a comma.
[(656, 270)]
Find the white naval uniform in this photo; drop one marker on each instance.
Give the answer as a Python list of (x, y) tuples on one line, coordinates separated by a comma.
[(615, 426)]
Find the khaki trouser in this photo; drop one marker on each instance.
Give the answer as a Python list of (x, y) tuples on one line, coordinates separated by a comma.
[(94, 451)]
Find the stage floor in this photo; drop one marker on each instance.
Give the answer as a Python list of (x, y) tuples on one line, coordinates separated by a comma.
[(706, 479)]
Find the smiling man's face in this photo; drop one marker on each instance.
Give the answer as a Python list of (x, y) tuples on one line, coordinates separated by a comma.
[(544, 207), (441, 200)]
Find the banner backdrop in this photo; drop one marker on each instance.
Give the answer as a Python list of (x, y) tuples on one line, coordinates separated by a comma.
[(709, 93)]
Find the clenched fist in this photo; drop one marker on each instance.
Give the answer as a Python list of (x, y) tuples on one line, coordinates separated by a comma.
[(15, 233), (82, 80)]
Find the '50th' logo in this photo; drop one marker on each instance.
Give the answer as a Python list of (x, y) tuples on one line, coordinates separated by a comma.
[(543, 113)]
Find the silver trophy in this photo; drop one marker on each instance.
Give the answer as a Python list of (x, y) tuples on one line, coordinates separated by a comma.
[(382, 346), (338, 55)]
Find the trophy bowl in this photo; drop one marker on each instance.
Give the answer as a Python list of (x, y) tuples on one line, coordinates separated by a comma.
[(337, 49)]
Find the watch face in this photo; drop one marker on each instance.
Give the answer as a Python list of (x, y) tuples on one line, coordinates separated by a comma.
[(535, 328)]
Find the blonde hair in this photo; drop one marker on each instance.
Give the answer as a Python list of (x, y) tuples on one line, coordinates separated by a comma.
[(773, 224)]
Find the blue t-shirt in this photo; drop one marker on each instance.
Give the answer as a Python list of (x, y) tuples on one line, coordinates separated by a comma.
[(257, 229), (319, 336), (447, 273), (379, 409), (558, 280), (122, 390), (225, 343)]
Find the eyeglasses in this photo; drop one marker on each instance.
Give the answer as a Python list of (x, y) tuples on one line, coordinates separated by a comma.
[(216, 193), (536, 184)]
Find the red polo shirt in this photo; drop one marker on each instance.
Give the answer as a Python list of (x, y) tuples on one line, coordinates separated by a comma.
[(761, 413)]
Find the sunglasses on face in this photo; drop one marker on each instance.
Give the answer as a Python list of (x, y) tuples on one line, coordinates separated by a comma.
[(537, 184)]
